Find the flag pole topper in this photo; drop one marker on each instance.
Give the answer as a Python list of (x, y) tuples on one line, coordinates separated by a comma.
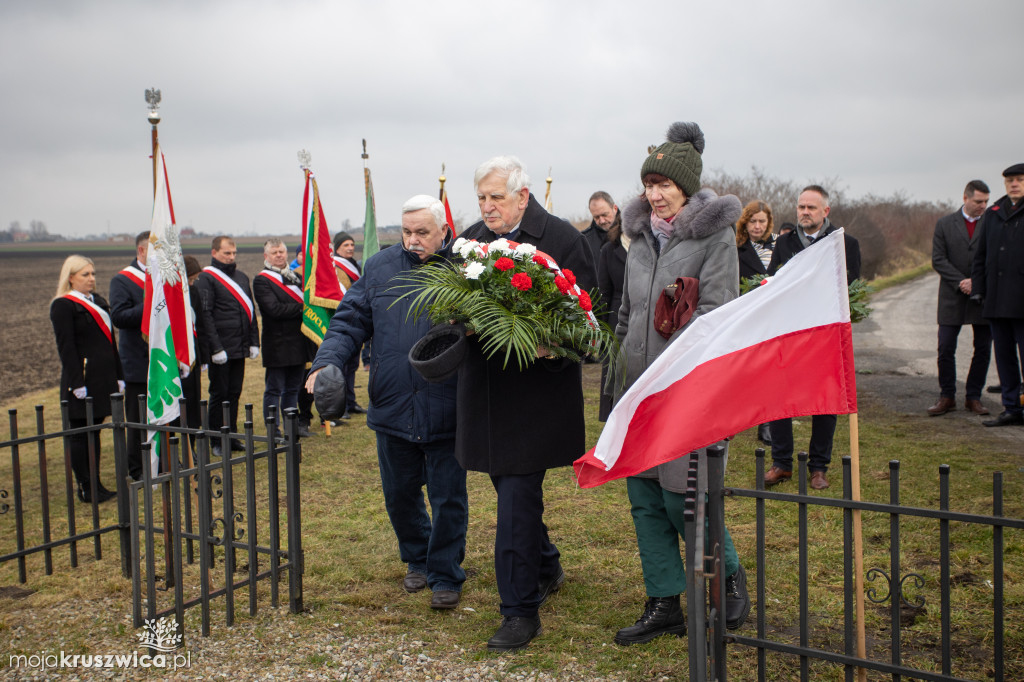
[(305, 159)]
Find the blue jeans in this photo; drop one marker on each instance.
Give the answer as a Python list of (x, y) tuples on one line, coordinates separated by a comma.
[(281, 390), (436, 548)]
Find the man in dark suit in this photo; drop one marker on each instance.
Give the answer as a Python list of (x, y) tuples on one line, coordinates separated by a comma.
[(812, 223), (997, 281), (515, 425), (605, 214), (953, 247), (127, 297)]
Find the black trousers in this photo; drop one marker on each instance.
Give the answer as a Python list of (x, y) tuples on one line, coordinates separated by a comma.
[(819, 454), (948, 334), (523, 554), (78, 447), (132, 391), (1008, 344), (226, 385)]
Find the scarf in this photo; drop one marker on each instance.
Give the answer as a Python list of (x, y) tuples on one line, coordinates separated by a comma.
[(289, 275)]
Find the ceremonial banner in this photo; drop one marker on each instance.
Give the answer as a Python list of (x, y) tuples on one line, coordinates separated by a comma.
[(370, 243), (794, 332), (167, 314), (321, 292), (447, 209)]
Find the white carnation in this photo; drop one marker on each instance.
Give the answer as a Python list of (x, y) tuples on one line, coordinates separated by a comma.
[(474, 270), (457, 246), (467, 248), (501, 246), (525, 251)]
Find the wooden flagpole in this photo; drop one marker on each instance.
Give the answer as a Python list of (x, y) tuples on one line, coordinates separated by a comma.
[(858, 544)]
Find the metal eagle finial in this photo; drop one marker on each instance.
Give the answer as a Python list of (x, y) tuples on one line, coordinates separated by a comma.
[(305, 158)]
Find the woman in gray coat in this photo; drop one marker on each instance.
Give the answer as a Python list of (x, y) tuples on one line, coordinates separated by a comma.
[(676, 230)]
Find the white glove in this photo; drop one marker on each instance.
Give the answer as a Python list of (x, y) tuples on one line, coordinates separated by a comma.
[(80, 393), (219, 358), (254, 352), (120, 386), (204, 368)]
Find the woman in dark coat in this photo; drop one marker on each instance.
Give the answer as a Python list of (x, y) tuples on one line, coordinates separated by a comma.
[(90, 365), (755, 239), (611, 269)]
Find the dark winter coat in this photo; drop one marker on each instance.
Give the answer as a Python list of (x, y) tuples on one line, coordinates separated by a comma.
[(611, 270), (521, 422), (87, 357), (998, 273), (750, 262), (597, 238), (402, 403), (953, 257), (789, 244), (284, 344), (126, 304), (225, 322)]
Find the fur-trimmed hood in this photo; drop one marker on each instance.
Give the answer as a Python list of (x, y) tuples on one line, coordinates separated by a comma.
[(704, 214)]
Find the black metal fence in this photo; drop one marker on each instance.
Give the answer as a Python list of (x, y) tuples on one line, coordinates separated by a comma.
[(205, 503), (708, 639)]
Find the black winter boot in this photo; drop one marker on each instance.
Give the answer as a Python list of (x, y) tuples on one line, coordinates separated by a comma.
[(662, 616)]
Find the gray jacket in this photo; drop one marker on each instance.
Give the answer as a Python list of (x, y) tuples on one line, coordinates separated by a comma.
[(953, 257), (703, 246)]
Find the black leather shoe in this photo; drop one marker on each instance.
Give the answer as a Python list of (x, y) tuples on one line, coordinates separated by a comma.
[(414, 581), (737, 601), (1006, 418), (236, 445), (515, 633), (550, 586), (102, 494), (303, 431), (445, 599), (661, 616), (356, 408), (764, 434)]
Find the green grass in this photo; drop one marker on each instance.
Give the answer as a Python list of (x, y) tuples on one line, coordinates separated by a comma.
[(353, 572), (880, 283)]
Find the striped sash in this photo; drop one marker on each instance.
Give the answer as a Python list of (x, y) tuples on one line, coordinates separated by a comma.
[(135, 275), (98, 314), (290, 289), (232, 287)]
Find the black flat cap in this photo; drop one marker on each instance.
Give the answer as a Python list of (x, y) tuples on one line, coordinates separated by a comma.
[(329, 392), (439, 353), (1015, 169)]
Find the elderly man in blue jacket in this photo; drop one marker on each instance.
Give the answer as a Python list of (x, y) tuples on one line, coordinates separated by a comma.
[(414, 420)]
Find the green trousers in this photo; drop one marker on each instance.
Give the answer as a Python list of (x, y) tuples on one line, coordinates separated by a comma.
[(658, 518)]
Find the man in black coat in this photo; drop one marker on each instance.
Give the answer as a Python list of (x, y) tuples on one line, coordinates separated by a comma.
[(812, 224), (278, 292), (127, 296), (229, 328), (998, 282), (515, 425), (605, 214), (953, 248)]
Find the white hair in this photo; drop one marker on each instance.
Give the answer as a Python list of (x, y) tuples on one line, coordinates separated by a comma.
[(509, 166), (271, 243), (425, 201)]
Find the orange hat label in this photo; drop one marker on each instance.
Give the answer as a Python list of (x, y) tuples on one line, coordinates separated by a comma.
[(661, 156)]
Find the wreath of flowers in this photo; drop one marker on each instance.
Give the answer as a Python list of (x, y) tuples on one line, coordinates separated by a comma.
[(515, 298)]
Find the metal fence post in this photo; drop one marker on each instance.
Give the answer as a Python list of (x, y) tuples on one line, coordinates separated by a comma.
[(124, 532), (293, 458), (716, 557)]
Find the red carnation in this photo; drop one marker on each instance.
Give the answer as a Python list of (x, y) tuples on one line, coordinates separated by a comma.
[(562, 283), (522, 281), (540, 260), (504, 263), (569, 276), (585, 302)]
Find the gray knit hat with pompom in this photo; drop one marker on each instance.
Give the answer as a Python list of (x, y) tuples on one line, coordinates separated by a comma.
[(679, 158)]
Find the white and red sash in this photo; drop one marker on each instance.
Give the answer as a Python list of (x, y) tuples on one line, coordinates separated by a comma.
[(232, 287), (348, 267), (135, 275), (290, 289), (98, 314)]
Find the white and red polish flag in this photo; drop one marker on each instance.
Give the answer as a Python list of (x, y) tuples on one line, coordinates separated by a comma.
[(783, 350), (167, 313)]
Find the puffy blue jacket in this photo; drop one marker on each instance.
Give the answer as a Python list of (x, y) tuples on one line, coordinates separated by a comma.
[(402, 403)]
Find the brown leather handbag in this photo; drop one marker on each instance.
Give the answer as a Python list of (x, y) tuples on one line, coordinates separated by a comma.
[(676, 305)]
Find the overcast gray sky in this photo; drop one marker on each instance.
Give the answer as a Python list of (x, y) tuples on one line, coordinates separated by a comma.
[(912, 96)]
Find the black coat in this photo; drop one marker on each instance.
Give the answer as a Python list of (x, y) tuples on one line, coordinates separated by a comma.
[(284, 344), (750, 262), (87, 357), (953, 257), (998, 273), (789, 244), (611, 271), (126, 303), (521, 422), (225, 323)]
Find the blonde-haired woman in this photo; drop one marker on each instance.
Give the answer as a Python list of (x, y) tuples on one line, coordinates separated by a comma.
[(90, 365)]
